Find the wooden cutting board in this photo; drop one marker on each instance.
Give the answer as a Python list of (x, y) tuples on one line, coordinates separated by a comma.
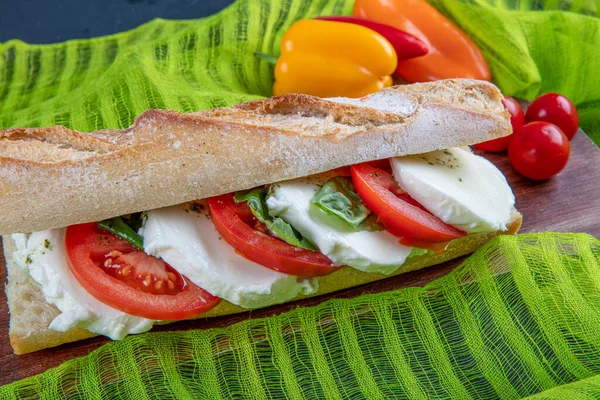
[(569, 202)]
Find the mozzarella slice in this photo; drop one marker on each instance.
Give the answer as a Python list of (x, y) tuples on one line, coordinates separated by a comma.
[(188, 241), (367, 251), (459, 187), (44, 255)]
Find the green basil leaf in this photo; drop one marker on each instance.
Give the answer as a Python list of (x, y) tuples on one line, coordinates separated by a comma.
[(119, 228), (256, 201), (135, 220), (278, 227), (338, 198)]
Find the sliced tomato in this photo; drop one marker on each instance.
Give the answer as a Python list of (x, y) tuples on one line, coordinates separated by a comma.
[(383, 164), (119, 275), (399, 213), (341, 171), (236, 224)]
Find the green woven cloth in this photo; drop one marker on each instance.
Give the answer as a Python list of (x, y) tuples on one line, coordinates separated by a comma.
[(519, 317), (197, 64)]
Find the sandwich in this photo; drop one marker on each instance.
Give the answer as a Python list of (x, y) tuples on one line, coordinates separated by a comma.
[(221, 211)]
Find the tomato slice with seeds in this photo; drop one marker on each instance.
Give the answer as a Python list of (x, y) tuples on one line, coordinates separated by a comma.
[(127, 279), (236, 224), (399, 213)]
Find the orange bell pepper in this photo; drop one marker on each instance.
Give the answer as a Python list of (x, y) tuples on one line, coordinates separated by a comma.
[(330, 59), (452, 54)]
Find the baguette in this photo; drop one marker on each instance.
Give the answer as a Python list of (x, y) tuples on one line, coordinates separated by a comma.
[(30, 315), (55, 177)]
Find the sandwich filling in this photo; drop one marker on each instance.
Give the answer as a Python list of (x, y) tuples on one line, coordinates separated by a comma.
[(263, 246)]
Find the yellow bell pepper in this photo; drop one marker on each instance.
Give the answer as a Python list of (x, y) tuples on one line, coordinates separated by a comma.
[(329, 59)]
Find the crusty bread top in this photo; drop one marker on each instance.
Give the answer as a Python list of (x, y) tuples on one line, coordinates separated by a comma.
[(54, 177)]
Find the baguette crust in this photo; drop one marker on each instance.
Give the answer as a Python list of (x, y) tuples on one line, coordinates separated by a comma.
[(30, 315), (55, 177)]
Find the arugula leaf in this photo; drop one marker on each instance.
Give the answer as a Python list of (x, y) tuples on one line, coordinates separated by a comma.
[(338, 198), (118, 227), (281, 229)]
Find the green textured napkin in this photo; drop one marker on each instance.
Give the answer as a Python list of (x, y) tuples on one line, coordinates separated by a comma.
[(519, 317), (198, 64)]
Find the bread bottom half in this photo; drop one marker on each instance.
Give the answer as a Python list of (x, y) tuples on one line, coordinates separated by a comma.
[(30, 314)]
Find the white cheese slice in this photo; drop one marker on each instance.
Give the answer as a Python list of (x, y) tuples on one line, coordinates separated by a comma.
[(460, 188), (44, 255), (188, 241), (367, 251)]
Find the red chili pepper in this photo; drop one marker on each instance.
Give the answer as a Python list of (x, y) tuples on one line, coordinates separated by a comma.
[(452, 54), (406, 45)]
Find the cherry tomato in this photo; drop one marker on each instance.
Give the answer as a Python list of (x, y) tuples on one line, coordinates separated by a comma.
[(555, 109), (399, 213), (129, 280), (236, 224), (517, 120), (540, 151)]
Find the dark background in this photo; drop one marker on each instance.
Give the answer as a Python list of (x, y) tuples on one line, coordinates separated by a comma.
[(50, 21)]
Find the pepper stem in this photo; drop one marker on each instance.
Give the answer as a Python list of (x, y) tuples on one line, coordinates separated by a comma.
[(266, 57)]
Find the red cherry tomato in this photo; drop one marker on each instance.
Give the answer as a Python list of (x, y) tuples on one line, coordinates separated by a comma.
[(119, 275), (540, 151), (517, 120), (236, 224), (555, 109)]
